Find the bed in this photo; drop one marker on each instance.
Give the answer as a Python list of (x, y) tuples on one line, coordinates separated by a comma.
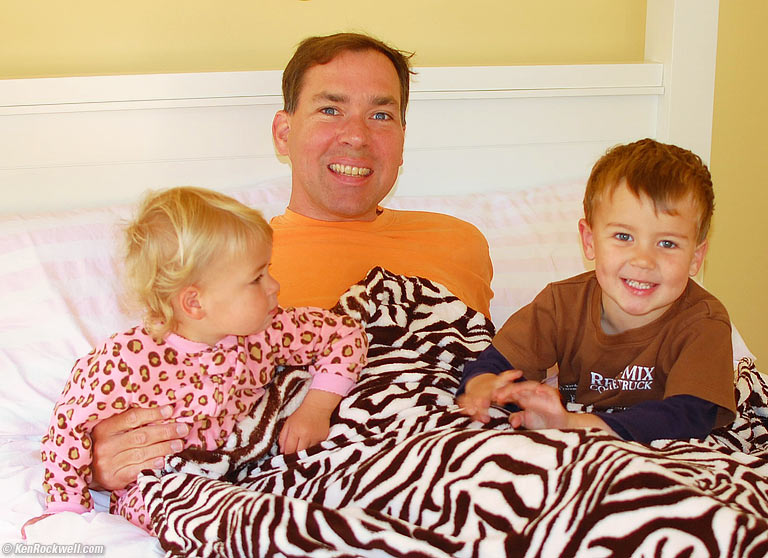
[(403, 473)]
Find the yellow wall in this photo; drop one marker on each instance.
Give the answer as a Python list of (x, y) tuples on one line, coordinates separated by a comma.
[(737, 266), (88, 37), (91, 37)]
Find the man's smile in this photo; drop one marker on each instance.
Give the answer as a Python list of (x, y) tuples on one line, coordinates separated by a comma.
[(349, 170)]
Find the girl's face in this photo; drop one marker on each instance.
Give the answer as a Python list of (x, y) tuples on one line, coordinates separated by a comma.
[(238, 295)]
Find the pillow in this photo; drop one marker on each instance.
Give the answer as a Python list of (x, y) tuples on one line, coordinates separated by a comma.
[(59, 296), (533, 240), (59, 278), (532, 235)]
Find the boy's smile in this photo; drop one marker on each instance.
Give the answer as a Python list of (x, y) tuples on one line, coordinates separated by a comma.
[(643, 256)]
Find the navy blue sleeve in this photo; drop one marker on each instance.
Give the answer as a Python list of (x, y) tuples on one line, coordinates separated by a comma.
[(489, 361), (679, 417)]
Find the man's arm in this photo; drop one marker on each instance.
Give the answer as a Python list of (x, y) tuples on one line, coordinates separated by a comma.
[(129, 442)]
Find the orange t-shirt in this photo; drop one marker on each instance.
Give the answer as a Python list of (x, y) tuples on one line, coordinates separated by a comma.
[(315, 261)]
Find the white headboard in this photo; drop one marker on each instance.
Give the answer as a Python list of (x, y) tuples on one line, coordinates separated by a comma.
[(86, 141)]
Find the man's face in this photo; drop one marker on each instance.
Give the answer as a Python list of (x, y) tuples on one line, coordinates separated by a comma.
[(345, 139)]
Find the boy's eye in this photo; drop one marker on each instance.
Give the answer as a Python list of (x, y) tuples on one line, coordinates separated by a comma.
[(624, 237), (329, 111), (667, 244), (257, 279), (382, 116)]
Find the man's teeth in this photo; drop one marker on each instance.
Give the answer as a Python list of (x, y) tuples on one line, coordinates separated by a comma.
[(349, 170), (638, 284)]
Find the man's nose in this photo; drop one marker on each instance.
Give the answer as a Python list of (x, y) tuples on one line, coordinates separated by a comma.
[(354, 131)]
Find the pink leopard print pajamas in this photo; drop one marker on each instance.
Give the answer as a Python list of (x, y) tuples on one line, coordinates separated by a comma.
[(211, 388)]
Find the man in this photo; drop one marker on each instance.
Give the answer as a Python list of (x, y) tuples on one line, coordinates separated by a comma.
[(342, 127)]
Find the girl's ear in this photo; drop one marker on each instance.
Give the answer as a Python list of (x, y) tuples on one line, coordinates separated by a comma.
[(587, 239), (190, 304)]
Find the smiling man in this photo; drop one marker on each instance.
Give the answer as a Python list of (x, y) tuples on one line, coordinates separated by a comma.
[(344, 137), (343, 128)]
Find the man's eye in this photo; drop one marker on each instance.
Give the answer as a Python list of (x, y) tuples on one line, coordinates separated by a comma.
[(624, 237), (382, 116), (667, 244), (330, 111)]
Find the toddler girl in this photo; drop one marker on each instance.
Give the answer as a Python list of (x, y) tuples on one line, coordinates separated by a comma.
[(198, 263)]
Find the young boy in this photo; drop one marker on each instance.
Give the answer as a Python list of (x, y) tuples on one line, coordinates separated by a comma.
[(636, 340)]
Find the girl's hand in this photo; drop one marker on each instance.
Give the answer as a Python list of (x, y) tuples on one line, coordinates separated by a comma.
[(310, 423)]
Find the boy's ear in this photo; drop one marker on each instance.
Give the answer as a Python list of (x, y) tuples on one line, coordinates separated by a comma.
[(190, 304), (281, 127), (698, 258), (587, 239)]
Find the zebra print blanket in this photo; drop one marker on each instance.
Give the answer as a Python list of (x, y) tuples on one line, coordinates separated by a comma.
[(404, 474)]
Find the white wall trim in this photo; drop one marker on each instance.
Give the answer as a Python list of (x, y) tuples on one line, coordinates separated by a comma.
[(75, 94), (682, 35)]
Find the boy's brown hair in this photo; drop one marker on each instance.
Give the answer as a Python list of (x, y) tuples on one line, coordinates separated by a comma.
[(663, 172), (321, 50)]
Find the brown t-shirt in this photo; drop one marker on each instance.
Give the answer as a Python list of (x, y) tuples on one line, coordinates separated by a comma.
[(687, 351)]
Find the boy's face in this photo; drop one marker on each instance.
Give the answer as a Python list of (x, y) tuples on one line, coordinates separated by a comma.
[(642, 258)]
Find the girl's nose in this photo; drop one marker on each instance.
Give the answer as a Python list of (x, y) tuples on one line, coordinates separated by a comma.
[(273, 287)]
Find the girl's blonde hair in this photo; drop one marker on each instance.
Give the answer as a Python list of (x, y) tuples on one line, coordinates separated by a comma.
[(176, 236)]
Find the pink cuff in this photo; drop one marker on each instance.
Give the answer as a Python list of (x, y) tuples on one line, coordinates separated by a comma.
[(56, 507), (340, 385)]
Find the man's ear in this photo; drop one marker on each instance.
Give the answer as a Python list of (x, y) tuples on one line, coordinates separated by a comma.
[(587, 239), (189, 302), (401, 154), (698, 258), (281, 127)]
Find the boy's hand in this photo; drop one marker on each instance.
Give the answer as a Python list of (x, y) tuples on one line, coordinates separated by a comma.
[(310, 423), (481, 391), (542, 408), (541, 405)]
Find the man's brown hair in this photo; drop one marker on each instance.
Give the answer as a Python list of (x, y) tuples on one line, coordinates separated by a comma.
[(321, 50), (663, 172)]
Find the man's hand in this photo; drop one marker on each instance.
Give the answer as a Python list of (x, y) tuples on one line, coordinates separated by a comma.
[(127, 443), (481, 391), (310, 423)]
